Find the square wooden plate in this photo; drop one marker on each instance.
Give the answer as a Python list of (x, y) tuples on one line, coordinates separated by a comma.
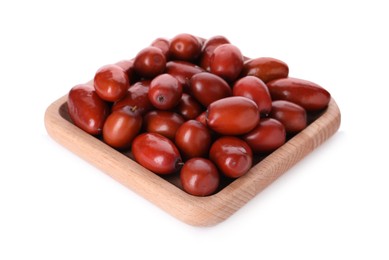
[(165, 193)]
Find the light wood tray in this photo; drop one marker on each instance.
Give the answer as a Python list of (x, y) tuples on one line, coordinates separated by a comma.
[(197, 211)]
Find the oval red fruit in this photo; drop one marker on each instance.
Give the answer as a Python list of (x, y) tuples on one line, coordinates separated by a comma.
[(265, 68), (266, 137), (193, 139), (307, 94), (232, 156), (226, 62), (121, 127), (86, 109), (111, 83), (256, 90), (165, 92), (291, 115), (199, 177), (156, 153), (233, 115)]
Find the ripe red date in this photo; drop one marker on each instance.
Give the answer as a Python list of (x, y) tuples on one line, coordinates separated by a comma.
[(165, 123), (185, 47), (207, 88), (233, 115), (165, 92), (291, 115), (254, 89), (199, 177), (193, 139), (226, 62), (208, 48), (232, 155), (266, 137), (309, 95), (150, 62), (121, 127), (111, 83), (156, 153), (86, 109), (265, 68)]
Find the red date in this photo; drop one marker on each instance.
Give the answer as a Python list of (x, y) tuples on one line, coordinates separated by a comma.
[(86, 109), (232, 155), (309, 95), (165, 123), (121, 127), (150, 62), (266, 137), (254, 89), (165, 92), (233, 115), (156, 153), (193, 139), (208, 48), (111, 83), (227, 62), (291, 115), (207, 88), (199, 177), (185, 47), (265, 68)]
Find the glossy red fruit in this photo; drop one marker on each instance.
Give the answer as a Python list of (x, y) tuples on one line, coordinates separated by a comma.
[(165, 123), (233, 115), (136, 98), (156, 153), (163, 44), (232, 156), (266, 137), (207, 88), (226, 62), (150, 62), (199, 177), (193, 139), (309, 95), (111, 83), (165, 92), (208, 47), (265, 68), (86, 109), (188, 107), (185, 47), (291, 115), (121, 127), (255, 89), (182, 71)]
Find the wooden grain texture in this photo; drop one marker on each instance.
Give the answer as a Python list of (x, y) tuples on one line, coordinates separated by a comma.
[(197, 211)]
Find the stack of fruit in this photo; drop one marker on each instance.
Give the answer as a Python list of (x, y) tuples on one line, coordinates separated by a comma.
[(197, 108)]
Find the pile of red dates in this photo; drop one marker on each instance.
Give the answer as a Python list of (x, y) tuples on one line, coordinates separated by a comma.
[(195, 107)]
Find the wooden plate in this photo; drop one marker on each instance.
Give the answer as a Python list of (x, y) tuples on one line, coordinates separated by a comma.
[(165, 193)]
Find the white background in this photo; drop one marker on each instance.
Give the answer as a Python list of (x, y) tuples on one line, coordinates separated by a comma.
[(332, 205)]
